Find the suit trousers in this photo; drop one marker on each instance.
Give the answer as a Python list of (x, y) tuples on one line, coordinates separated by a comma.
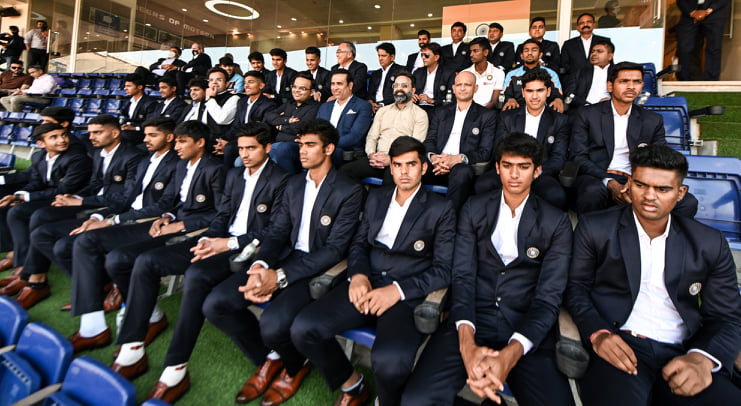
[(592, 195), (393, 353), (603, 384), (144, 283), (51, 243), (440, 372), (98, 254), (712, 29), (285, 154), (360, 169), (201, 278), (459, 181), (547, 187), (20, 222)]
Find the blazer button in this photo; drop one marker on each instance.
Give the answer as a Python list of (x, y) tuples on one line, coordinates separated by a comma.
[(502, 273), (383, 273), (615, 324)]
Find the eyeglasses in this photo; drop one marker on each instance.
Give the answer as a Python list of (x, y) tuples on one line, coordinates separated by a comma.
[(16, 67), (425, 55), (301, 88), (401, 85)]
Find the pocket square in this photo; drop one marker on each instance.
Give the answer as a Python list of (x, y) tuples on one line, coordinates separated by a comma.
[(351, 111)]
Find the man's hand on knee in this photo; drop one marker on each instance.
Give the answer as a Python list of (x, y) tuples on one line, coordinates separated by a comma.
[(689, 374), (613, 349)]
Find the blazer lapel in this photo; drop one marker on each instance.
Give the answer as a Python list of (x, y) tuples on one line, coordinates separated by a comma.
[(416, 208), (519, 124), (608, 128), (194, 180), (492, 214), (527, 222), (674, 262), (376, 222), (447, 127), (630, 249), (634, 127), (544, 127), (261, 182), (321, 198)]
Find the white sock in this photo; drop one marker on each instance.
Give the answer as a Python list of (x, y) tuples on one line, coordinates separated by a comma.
[(273, 356), (376, 402), (92, 324), (130, 353), (355, 385), (172, 375), (157, 314)]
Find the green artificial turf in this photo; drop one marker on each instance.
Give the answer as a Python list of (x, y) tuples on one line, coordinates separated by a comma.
[(726, 128)]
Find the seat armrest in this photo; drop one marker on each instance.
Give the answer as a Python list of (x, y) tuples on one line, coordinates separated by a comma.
[(568, 174), (479, 168), (239, 266), (428, 314), (320, 285), (708, 111), (38, 396), (183, 237), (571, 357)]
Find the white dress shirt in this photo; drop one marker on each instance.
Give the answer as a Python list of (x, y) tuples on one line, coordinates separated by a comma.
[(455, 46), (132, 105), (42, 85), (278, 77), (453, 146), (587, 44), (154, 162), (418, 63), (250, 104), (337, 111), (429, 89), (621, 153), (239, 226), (598, 90), (310, 193), (379, 92), (107, 158), (532, 123), (161, 72), (185, 186), (193, 112), (50, 165)]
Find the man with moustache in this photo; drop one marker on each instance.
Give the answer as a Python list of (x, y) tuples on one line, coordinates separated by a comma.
[(414, 60), (575, 52)]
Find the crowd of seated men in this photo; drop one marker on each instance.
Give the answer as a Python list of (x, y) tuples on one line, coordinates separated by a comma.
[(276, 159)]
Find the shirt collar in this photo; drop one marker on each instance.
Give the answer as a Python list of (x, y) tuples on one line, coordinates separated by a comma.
[(155, 158), (311, 181), (246, 174), (409, 199), (190, 166), (51, 160), (518, 209), (642, 233), (105, 154), (538, 116), (135, 100), (615, 113)]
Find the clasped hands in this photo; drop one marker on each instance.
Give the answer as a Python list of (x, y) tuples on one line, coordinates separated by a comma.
[(371, 301), (443, 163), (487, 368), (260, 285)]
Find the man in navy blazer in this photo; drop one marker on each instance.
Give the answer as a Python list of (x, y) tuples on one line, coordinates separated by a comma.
[(546, 125), (401, 253), (460, 135), (414, 60), (189, 203), (310, 232), (320, 75), (455, 56), (250, 196), (346, 55), (278, 81), (510, 267), (502, 53), (575, 52), (588, 85), (53, 242), (171, 105), (136, 109), (349, 113), (604, 164), (380, 85), (654, 296), (433, 92)]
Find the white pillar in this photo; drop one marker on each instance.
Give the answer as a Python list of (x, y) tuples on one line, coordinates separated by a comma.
[(76, 21), (564, 20)]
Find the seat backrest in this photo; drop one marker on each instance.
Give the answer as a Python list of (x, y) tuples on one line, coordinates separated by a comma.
[(48, 351), (675, 112), (7, 161), (18, 378), (93, 106), (649, 79), (100, 84), (93, 383), (716, 183), (12, 320), (84, 84), (23, 136), (112, 107), (76, 105), (59, 102)]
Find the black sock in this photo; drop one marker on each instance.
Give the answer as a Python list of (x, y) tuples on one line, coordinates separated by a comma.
[(37, 285)]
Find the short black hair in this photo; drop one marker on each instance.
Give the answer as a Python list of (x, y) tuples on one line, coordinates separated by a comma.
[(659, 157), (13, 28), (610, 4), (606, 42), (434, 47), (615, 69), (406, 74), (305, 75), (17, 62), (482, 42), (59, 114), (169, 80), (198, 82), (37, 67), (323, 128), (404, 144), (314, 51), (279, 52), (585, 14), (497, 26), (340, 71), (257, 129), (226, 61), (459, 24), (164, 124), (136, 79), (178, 50), (256, 56), (531, 41), (105, 120), (193, 129), (520, 144), (216, 69), (424, 32), (388, 47), (536, 74), (40, 130), (255, 74), (536, 19)]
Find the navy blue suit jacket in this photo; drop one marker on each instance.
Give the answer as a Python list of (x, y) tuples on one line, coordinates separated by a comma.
[(146, 107), (70, 173), (286, 80), (281, 116), (264, 200), (162, 177), (388, 90), (359, 72), (444, 78), (456, 63), (477, 135), (353, 124), (527, 291), (573, 57), (503, 56), (553, 134), (174, 110), (262, 106), (334, 219), (420, 260), (200, 206), (593, 135), (322, 83), (120, 176), (605, 278), (551, 54)]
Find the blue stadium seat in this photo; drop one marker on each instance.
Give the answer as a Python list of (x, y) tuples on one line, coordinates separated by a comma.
[(80, 121), (437, 189), (90, 383), (67, 93), (155, 402), (7, 160), (101, 92), (93, 107), (23, 136), (85, 93), (76, 105), (650, 82), (33, 118), (100, 84), (153, 93), (4, 115), (6, 133), (84, 84), (112, 107), (119, 93), (12, 320), (115, 84), (16, 116), (362, 335), (676, 116), (41, 358), (372, 181), (716, 183)]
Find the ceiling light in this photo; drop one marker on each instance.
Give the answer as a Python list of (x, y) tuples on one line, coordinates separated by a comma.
[(377, 5), (205, 20), (279, 26), (185, 9), (211, 5), (429, 15), (342, 21), (293, 18), (411, 25), (148, 25), (370, 28)]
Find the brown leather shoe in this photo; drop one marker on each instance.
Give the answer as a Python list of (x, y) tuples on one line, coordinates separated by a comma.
[(132, 371), (13, 287), (153, 331), (6, 263), (15, 274), (113, 300), (80, 343), (66, 307), (170, 394), (355, 397), (258, 383), (284, 387), (30, 296)]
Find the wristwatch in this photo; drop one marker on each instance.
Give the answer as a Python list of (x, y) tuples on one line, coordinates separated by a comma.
[(232, 243), (282, 281)]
